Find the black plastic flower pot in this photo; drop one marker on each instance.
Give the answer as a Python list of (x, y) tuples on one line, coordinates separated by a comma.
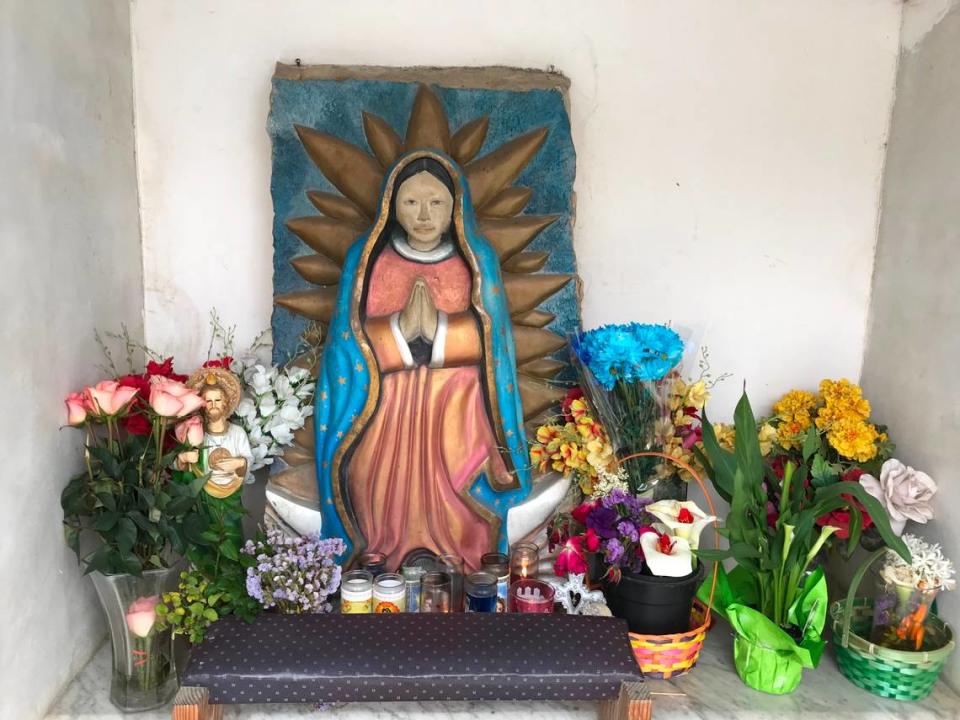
[(654, 605)]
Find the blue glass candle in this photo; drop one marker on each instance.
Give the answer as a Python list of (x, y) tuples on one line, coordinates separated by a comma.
[(481, 592)]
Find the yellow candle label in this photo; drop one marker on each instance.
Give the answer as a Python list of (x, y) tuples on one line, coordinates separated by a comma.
[(387, 607), (352, 607)]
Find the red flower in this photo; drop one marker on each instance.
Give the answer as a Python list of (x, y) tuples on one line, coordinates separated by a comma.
[(591, 540), (135, 422), (684, 516), (580, 512), (574, 393), (841, 518), (772, 514), (164, 369), (665, 544), (223, 362), (571, 560)]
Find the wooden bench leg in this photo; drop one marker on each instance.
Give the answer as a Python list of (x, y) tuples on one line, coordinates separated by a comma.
[(633, 703), (193, 703)]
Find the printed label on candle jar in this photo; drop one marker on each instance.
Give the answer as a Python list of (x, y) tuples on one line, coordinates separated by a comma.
[(354, 607), (385, 607), (503, 593)]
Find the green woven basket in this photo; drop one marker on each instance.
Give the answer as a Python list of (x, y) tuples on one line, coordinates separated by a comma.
[(897, 674)]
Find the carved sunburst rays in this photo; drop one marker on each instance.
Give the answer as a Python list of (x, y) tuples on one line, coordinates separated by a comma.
[(358, 175)]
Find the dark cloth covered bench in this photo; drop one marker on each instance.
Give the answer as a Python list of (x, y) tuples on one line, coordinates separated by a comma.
[(370, 658)]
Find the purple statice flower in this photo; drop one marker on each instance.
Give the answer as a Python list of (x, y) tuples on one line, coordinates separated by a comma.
[(628, 531), (297, 575), (613, 551)]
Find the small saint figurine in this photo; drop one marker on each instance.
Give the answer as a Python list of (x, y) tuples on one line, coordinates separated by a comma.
[(226, 452)]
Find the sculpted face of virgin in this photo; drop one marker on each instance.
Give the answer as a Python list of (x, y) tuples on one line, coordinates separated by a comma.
[(424, 207)]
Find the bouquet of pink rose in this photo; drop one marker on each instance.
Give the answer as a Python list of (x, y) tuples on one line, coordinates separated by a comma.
[(138, 510)]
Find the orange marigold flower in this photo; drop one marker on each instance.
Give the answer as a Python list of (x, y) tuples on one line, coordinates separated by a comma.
[(853, 438)]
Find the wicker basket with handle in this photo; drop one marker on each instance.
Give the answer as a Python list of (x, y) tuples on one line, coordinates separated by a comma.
[(666, 656)]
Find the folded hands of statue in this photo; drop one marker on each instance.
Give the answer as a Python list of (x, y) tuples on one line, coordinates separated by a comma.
[(419, 317)]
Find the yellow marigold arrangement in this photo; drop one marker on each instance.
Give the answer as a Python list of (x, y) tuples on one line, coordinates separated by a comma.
[(839, 412), (577, 447)]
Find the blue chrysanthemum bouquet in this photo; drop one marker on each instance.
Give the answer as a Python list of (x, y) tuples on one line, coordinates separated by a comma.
[(622, 369)]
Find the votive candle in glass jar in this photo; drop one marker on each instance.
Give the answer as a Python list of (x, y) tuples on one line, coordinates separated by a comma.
[(435, 592), (524, 561), (532, 596), (412, 576), (389, 594), (356, 592), (452, 564), (480, 590), (499, 565), (373, 562)]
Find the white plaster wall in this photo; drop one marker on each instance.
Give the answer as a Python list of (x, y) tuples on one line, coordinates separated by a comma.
[(69, 260), (910, 366), (729, 157)]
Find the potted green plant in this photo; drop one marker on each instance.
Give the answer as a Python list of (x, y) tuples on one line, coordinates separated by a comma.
[(775, 597)]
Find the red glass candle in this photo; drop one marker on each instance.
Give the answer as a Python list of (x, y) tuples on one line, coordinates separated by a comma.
[(531, 596)]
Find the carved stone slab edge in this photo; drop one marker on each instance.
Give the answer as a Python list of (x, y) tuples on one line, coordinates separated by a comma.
[(193, 703), (496, 77), (633, 703)]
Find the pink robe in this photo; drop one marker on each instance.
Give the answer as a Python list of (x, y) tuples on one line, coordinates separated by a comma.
[(430, 436)]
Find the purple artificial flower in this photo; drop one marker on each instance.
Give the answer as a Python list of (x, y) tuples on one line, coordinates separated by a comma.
[(254, 588), (603, 521), (628, 531), (613, 551)]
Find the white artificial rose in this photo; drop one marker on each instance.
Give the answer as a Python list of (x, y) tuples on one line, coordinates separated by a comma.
[(905, 493), (267, 405), (282, 387), (282, 433), (246, 408), (291, 414), (260, 380)]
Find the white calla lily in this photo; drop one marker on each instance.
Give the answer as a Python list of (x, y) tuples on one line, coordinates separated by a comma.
[(677, 563), (668, 512)]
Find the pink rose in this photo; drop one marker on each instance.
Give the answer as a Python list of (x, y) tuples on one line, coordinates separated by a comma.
[(108, 398), (76, 409), (170, 398), (142, 614), (190, 431)]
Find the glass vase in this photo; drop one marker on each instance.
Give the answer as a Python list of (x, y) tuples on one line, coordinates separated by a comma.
[(899, 617), (144, 672)]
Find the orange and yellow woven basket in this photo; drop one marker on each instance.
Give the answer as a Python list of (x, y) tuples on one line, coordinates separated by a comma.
[(667, 656)]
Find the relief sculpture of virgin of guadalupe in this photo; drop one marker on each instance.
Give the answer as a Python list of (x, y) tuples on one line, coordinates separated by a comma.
[(434, 350)]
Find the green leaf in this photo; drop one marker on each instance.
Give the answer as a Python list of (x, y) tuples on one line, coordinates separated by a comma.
[(822, 472), (71, 536), (721, 463), (126, 535), (211, 615), (229, 551), (105, 522), (108, 500), (99, 561), (109, 463), (747, 445), (194, 525), (811, 443), (180, 505), (130, 563)]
